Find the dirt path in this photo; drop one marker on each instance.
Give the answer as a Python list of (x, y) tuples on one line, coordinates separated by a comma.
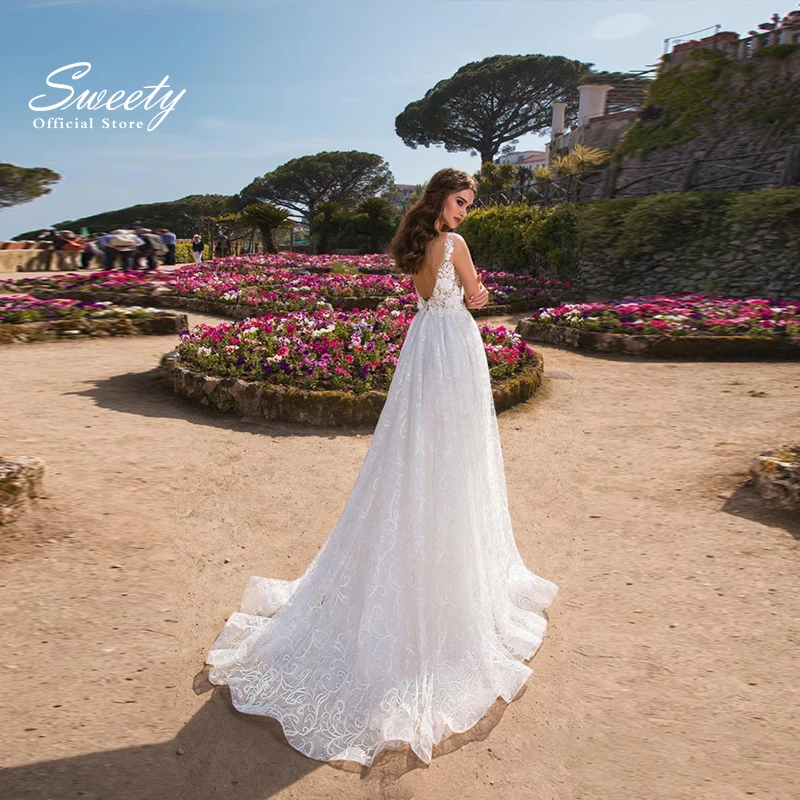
[(668, 672)]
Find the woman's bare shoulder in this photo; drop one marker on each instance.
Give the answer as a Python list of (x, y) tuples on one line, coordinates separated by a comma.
[(459, 242)]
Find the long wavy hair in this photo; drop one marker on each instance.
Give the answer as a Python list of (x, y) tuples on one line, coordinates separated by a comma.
[(417, 227)]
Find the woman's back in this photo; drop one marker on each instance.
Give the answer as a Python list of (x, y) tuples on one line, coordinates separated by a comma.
[(425, 279)]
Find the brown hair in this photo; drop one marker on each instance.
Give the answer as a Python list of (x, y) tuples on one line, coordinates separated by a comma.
[(417, 227)]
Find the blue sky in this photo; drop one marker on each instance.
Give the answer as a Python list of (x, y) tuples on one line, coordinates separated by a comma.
[(269, 80)]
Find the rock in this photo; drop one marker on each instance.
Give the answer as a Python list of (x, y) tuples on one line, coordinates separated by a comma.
[(21, 480), (776, 476)]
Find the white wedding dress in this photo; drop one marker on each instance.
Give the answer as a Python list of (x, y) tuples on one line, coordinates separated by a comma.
[(417, 612)]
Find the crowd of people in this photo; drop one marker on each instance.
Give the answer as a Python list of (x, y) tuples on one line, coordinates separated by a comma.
[(125, 249)]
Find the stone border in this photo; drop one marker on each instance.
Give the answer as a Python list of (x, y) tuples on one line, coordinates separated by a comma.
[(222, 309), (712, 348), (163, 322), (321, 408), (776, 476), (21, 480), (197, 304), (497, 309)]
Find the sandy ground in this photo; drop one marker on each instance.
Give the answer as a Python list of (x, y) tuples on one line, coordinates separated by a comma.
[(668, 670)]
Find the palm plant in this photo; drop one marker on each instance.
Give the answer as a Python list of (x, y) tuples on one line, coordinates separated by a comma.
[(376, 209), (326, 210), (495, 177), (267, 218), (584, 157)]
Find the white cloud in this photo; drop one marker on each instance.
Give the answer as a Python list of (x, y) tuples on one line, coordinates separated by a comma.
[(619, 26)]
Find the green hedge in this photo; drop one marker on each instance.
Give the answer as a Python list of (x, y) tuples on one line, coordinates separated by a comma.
[(550, 241), (672, 220), (525, 238)]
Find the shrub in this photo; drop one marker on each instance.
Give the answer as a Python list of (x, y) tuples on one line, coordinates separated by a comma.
[(496, 236), (669, 220), (780, 207)]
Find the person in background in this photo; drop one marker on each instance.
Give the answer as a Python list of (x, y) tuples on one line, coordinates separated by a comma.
[(197, 248), (169, 239), (122, 245), (91, 250), (152, 248), (69, 246), (46, 238)]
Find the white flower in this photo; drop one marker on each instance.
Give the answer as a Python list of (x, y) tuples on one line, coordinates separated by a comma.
[(204, 351)]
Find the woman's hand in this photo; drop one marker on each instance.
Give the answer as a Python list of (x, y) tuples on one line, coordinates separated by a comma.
[(479, 299)]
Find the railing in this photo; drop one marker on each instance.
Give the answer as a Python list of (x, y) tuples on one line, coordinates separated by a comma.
[(743, 171)]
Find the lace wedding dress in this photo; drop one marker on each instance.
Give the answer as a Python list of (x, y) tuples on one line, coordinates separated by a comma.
[(417, 612)]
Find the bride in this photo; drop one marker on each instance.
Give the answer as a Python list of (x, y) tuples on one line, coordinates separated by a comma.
[(417, 612)]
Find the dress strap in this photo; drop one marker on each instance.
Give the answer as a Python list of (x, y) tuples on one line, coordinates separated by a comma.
[(448, 247)]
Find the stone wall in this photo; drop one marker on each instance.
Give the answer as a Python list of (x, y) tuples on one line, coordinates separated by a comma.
[(751, 263), (741, 124), (28, 260)]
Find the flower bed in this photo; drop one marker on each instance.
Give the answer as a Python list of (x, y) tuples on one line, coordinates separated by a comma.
[(28, 319), (408, 303), (683, 325), (244, 281), (101, 280), (327, 368)]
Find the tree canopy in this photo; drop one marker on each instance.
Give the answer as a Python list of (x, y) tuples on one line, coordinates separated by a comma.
[(489, 103), (303, 184), (22, 184), (184, 217)]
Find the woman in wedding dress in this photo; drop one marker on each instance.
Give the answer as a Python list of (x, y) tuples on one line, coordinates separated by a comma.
[(417, 612)]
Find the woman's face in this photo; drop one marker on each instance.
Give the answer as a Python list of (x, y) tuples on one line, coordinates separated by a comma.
[(456, 206)]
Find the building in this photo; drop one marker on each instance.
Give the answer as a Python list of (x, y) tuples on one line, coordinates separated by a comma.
[(595, 127), (401, 195), (523, 158), (779, 30)]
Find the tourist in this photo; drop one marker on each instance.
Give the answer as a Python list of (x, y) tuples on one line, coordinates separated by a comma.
[(152, 248), (91, 250), (169, 239), (120, 245), (197, 248), (69, 246)]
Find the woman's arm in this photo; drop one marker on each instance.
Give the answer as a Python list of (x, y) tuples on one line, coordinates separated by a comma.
[(462, 261)]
